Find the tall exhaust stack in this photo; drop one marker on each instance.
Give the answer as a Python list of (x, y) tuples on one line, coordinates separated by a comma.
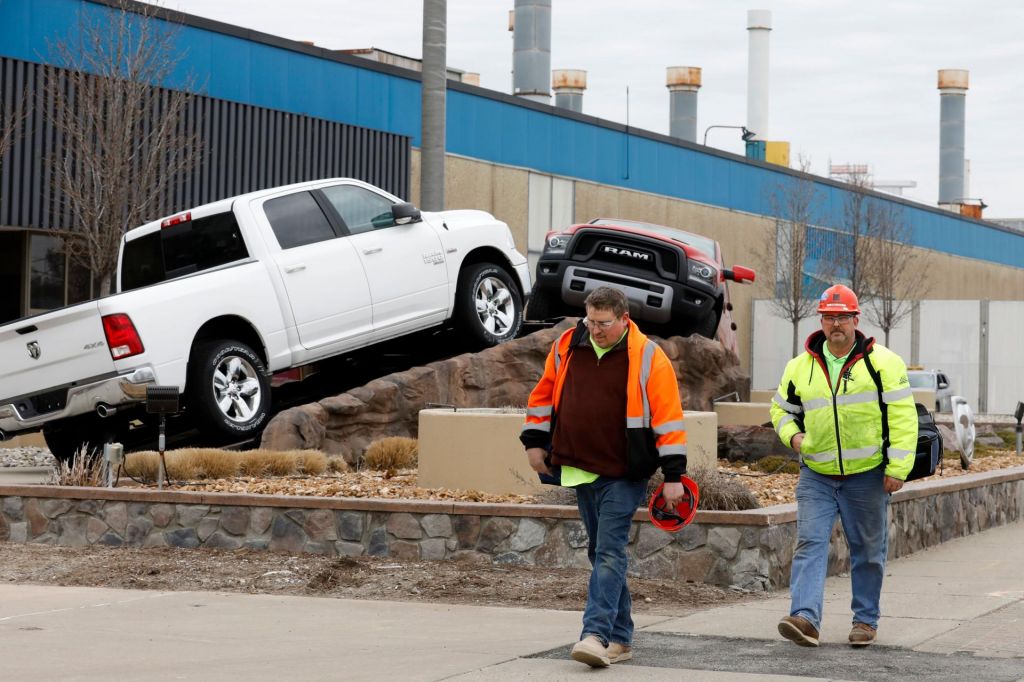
[(531, 56), (682, 82), (759, 27), (953, 106), (569, 85)]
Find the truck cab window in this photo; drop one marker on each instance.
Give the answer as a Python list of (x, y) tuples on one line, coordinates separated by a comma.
[(297, 220), (182, 249), (359, 208)]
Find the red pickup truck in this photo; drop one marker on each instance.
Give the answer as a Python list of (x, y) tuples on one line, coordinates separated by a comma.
[(675, 280)]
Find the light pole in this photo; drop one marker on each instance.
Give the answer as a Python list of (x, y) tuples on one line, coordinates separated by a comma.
[(746, 135)]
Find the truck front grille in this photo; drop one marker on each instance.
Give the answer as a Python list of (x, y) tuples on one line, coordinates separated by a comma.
[(620, 251)]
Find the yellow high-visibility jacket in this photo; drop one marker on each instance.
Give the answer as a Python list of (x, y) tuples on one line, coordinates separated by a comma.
[(654, 413), (844, 432)]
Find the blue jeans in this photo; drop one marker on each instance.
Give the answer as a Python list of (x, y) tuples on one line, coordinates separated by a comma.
[(862, 506), (606, 507)]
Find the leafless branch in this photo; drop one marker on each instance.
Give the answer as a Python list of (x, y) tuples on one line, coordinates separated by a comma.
[(787, 247), (126, 137), (10, 123), (857, 219), (893, 276), (883, 267)]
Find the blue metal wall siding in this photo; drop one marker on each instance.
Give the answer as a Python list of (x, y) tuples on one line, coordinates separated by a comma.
[(489, 129)]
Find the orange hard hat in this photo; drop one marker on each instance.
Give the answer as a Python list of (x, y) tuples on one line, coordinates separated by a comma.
[(838, 298), (671, 520)]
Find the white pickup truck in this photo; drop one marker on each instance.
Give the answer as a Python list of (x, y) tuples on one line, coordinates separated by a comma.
[(217, 299)]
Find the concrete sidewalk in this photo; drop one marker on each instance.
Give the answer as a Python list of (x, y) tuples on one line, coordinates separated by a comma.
[(951, 612)]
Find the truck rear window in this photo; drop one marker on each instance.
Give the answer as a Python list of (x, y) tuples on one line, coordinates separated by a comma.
[(181, 249)]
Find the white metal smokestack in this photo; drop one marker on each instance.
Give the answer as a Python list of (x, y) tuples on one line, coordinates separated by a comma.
[(759, 27), (953, 106), (569, 85), (682, 82), (531, 55)]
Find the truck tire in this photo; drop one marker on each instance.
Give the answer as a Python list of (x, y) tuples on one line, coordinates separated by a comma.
[(706, 326), (539, 307), (87, 433), (228, 389), (487, 305)]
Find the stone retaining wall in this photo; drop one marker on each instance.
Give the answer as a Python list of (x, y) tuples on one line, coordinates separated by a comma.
[(749, 549)]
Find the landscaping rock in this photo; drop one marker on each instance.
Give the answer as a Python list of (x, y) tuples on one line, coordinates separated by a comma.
[(501, 376)]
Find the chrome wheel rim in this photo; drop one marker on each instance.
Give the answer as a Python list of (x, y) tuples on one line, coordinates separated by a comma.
[(495, 307), (236, 388)]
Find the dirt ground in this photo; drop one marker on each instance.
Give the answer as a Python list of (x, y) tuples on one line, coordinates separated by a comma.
[(261, 572)]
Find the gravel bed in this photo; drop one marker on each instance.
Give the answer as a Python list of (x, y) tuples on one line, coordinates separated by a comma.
[(26, 457)]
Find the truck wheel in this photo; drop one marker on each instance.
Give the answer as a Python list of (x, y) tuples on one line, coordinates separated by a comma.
[(706, 326), (488, 305), (87, 433), (539, 307), (228, 389)]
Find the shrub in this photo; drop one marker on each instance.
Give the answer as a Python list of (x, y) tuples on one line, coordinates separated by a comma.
[(337, 465), (142, 466), (279, 463), (718, 492), (83, 469), (776, 464), (208, 463), (1009, 437), (394, 452), (256, 463), (310, 462)]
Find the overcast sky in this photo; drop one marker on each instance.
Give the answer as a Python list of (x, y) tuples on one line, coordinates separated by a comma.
[(850, 82)]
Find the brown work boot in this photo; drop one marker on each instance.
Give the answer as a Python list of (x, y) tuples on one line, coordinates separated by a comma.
[(591, 651), (862, 634), (617, 653), (798, 629)]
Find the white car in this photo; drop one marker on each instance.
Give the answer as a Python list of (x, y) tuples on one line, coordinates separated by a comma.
[(217, 299), (936, 380)]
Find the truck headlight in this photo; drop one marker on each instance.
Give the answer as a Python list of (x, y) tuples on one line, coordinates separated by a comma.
[(556, 243), (703, 273)]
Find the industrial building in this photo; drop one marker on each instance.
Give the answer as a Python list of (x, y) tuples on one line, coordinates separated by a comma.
[(534, 165)]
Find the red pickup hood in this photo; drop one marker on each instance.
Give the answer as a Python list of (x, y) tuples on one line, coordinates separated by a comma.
[(691, 251)]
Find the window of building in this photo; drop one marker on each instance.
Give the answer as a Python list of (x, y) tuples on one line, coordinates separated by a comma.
[(47, 267)]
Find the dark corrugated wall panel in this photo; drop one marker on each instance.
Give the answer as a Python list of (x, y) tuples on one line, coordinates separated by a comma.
[(242, 148)]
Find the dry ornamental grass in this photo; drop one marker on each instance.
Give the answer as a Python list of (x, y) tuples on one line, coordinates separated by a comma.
[(192, 464)]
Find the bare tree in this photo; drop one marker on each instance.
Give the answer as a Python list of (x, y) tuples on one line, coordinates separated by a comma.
[(858, 215), (788, 245), (882, 267), (893, 276), (126, 138), (10, 124)]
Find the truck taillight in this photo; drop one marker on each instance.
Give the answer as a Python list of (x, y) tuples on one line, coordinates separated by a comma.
[(122, 339), (175, 219)]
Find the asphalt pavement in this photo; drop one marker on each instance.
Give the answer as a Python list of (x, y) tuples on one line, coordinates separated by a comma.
[(953, 612)]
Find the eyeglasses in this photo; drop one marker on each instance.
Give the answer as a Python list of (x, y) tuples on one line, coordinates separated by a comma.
[(603, 324), (832, 319)]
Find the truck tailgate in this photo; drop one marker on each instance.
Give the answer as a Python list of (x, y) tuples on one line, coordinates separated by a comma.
[(55, 349)]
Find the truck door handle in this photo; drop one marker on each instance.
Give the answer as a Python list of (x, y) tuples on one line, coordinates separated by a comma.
[(294, 268), (370, 252)]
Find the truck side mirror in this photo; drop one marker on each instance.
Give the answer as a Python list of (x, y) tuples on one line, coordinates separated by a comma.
[(738, 273), (405, 214)]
